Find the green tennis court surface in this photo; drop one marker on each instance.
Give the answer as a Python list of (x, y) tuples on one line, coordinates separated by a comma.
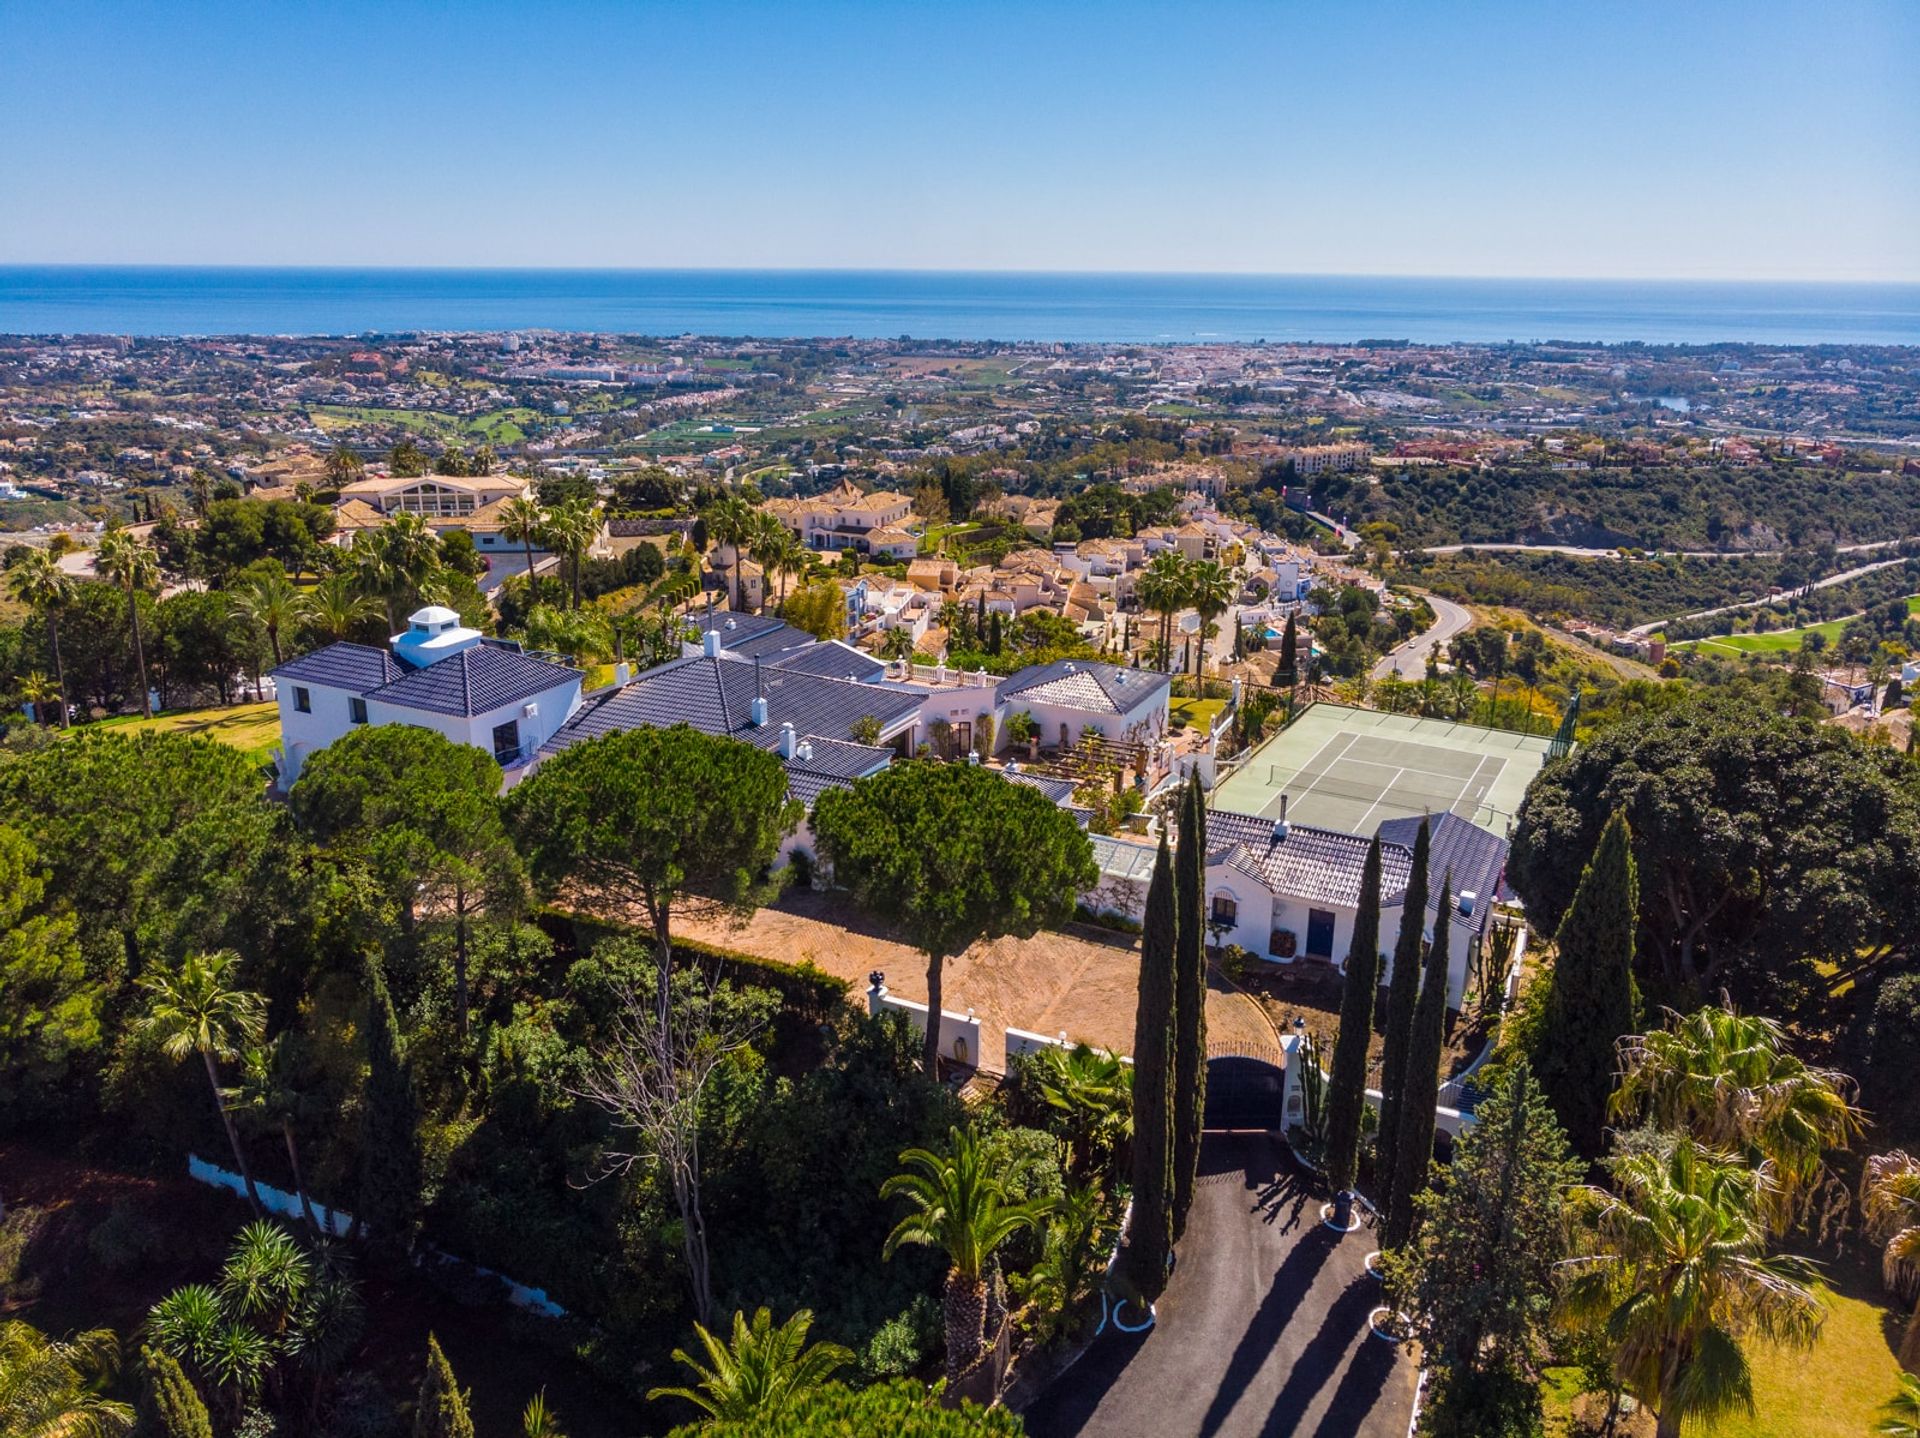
[(1351, 770)]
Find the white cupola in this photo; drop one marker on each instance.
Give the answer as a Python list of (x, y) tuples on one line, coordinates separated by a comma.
[(431, 635)]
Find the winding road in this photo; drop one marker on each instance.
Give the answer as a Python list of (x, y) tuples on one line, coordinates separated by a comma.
[(1409, 661)]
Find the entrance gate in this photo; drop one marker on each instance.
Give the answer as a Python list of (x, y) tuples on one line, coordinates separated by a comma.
[(1245, 1093)]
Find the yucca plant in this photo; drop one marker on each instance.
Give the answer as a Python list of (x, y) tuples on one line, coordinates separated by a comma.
[(760, 1373)]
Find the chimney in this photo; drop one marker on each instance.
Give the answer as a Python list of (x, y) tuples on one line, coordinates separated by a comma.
[(622, 672), (786, 741), (710, 644), (757, 711)]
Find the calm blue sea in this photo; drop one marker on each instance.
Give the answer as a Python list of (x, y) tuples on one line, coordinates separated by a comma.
[(946, 305)]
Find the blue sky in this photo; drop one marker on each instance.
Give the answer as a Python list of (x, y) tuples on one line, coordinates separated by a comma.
[(1740, 140)]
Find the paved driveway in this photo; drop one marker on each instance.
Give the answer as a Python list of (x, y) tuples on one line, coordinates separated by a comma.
[(1262, 1332)]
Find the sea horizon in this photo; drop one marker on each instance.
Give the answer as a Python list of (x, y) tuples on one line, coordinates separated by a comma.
[(1003, 306)]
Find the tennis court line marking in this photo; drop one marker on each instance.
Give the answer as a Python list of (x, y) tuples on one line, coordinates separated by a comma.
[(1364, 831), (1329, 769), (1468, 789), (1409, 769)]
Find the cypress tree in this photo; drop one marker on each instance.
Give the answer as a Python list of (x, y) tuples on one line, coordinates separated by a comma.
[(1403, 989), (389, 1126), (1190, 998), (1590, 998), (1420, 1089), (1347, 1094), (168, 1406), (1150, 1235), (1288, 673), (441, 1411)]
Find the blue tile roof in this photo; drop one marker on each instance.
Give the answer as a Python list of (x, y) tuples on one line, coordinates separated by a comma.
[(715, 696), (357, 668), (832, 660), (1083, 684), (1306, 863), (1477, 858), (473, 681), (749, 635)]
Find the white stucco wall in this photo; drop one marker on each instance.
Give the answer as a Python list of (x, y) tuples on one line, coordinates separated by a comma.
[(304, 735), (1145, 721)]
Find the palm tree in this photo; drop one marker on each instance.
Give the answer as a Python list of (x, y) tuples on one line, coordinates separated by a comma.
[(267, 1091), (42, 693), (732, 521), (412, 552), (1900, 1414), (1676, 1275), (37, 581), (1210, 590), (1094, 1089), (371, 573), (1162, 589), (336, 610), (581, 634), (51, 1389), (271, 602), (132, 564), (571, 529), (959, 1207), (1729, 1080), (780, 551), (1890, 1198), (201, 1009), (761, 1373), (522, 519)]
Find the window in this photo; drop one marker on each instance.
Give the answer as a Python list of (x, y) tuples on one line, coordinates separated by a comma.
[(506, 741), (357, 710), (302, 699), (1226, 910)]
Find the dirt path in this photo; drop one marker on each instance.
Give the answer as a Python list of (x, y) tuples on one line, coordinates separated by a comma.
[(1082, 983)]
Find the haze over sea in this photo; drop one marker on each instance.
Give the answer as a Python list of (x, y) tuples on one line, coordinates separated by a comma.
[(1129, 308)]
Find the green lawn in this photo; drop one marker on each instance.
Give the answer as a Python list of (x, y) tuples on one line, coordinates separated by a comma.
[(1834, 1391), (1199, 713), (1780, 641), (251, 728)]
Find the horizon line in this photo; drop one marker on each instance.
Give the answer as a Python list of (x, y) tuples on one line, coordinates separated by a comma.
[(1003, 271)]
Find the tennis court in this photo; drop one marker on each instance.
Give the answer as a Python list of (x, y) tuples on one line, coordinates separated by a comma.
[(1350, 770)]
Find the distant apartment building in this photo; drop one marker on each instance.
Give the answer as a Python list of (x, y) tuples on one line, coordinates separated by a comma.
[(1326, 458)]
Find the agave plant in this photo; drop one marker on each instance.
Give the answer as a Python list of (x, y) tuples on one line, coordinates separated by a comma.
[(761, 1373)]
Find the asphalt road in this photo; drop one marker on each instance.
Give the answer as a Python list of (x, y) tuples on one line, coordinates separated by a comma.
[(1409, 661), (1262, 1331)]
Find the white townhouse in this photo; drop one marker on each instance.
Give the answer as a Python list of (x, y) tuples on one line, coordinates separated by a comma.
[(1289, 893), (1070, 696), (438, 675)]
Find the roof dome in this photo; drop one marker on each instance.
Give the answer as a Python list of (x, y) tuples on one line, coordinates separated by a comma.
[(434, 616)]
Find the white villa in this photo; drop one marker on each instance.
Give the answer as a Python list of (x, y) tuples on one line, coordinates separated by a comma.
[(847, 517), (438, 675)]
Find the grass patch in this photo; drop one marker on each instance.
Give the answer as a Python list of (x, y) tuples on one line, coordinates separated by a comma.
[(254, 729), (1781, 641), (1833, 1391), (1197, 713)]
